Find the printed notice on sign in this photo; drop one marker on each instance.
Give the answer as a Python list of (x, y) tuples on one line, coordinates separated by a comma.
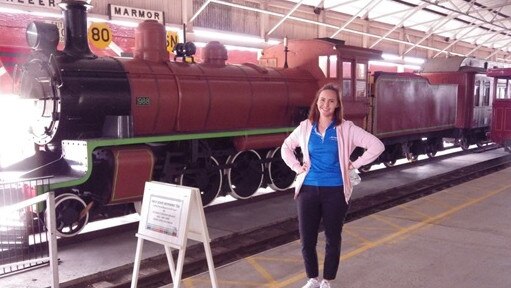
[(164, 215), (165, 211)]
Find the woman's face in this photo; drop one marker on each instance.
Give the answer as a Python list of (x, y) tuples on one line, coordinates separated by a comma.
[(327, 102)]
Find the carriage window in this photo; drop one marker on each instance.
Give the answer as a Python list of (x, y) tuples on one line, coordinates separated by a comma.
[(361, 80), (501, 89), (346, 79), (333, 66), (328, 65), (486, 94), (477, 93), (323, 64)]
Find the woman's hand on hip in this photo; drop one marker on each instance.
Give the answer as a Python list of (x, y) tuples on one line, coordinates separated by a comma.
[(305, 167)]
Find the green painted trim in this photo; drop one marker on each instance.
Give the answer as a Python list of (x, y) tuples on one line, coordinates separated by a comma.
[(92, 144)]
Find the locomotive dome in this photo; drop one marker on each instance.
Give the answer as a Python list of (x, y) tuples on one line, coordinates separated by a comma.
[(215, 53)]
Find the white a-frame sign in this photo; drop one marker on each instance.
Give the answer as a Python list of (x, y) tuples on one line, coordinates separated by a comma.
[(170, 216)]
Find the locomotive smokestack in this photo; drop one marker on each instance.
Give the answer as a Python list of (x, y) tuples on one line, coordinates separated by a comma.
[(75, 23)]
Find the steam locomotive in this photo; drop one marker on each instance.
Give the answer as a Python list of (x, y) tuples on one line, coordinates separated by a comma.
[(106, 125)]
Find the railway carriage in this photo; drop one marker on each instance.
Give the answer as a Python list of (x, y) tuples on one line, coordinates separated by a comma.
[(474, 104), (500, 132)]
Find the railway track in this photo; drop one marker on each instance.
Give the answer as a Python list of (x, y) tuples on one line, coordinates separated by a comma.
[(154, 271), (119, 228)]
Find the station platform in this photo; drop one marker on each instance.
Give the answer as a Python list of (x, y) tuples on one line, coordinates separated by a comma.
[(455, 238), (458, 237)]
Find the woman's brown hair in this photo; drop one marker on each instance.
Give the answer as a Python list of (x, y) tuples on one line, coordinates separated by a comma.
[(339, 111)]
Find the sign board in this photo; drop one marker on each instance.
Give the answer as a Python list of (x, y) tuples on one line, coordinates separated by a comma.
[(34, 3), (171, 215), (164, 213), (99, 34), (172, 40), (125, 13)]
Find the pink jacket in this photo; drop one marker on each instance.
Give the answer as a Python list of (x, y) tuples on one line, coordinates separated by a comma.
[(349, 137)]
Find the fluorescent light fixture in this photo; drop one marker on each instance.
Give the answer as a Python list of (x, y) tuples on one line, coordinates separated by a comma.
[(124, 23), (391, 57), (2, 71), (413, 67), (46, 14), (96, 19), (230, 47), (414, 60), (381, 63), (215, 35), (11, 10)]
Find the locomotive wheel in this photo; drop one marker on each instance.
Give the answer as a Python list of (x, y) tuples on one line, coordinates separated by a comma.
[(412, 157), (68, 208), (390, 163), (463, 142), (431, 154), (207, 177), (246, 174), (280, 175)]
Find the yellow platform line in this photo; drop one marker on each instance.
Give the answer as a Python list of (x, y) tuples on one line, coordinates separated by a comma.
[(438, 202), (382, 219), (297, 259), (357, 236), (391, 237), (415, 211), (261, 270)]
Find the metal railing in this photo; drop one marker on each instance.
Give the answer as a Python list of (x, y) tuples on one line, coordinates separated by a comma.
[(27, 227)]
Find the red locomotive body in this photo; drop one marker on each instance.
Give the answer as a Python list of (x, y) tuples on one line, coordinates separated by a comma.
[(500, 132), (473, 113)]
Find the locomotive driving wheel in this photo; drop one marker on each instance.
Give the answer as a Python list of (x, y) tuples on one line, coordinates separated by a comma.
[(390, 163), (412, 157), (431, 154), (205, 175), (71, 214), (280, 175), (463, 142), (245, 175)]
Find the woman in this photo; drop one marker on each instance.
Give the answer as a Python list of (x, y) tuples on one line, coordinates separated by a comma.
[(323, 189)]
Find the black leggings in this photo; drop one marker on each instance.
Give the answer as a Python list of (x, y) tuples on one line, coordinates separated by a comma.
[(316, 203)]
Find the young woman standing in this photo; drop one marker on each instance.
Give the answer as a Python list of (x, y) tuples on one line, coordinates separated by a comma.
[(323, 189)]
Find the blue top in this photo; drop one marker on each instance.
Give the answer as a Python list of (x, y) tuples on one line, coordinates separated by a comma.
[(325, 169)]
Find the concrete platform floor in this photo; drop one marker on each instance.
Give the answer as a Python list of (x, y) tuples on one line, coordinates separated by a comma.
[(88, 259), (459, 237)]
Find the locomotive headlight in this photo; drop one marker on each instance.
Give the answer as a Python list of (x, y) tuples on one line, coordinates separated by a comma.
[(42, 36)]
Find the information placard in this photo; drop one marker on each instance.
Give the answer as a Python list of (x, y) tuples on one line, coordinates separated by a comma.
[(164, 212), (171, 215)]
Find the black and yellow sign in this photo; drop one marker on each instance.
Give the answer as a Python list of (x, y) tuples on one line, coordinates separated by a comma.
[(172, 40), (100, 35)]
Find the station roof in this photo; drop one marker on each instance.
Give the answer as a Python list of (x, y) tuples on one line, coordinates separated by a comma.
[(483, 23)]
